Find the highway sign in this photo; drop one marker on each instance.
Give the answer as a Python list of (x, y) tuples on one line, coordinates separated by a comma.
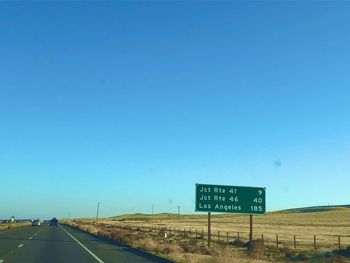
[(230, 199)]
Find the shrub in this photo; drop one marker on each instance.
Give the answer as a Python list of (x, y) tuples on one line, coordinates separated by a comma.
[(237, 243), (287, 252), (189, 246), (343, 252), (301, 257), (224, 254), (256, 249)]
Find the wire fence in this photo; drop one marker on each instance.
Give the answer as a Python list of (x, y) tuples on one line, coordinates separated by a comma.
[(301, 242)]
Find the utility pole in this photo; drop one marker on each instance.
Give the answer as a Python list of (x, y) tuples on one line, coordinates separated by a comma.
[(152, 209), (98, 210), (178, 213)]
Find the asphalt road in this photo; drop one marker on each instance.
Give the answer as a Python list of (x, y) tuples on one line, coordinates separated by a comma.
[(50, 244)]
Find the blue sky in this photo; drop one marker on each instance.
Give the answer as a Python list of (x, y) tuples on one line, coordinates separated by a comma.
[(132, 103)]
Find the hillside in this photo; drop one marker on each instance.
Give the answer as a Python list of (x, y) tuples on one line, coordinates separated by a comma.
[(169, 216), (315, 209)]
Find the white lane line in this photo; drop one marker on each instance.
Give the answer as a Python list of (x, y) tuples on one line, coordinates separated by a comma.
[(84, 247), (14, 229), (21, 245), (40, 231)]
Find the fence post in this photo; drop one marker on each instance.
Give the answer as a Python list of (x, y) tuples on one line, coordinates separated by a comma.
[(203, 233), (295, 242), (276, 240), (315, 245), (262, 238), (339, 242), (227, 237), (218, 236), (238, 236), (196, 233)]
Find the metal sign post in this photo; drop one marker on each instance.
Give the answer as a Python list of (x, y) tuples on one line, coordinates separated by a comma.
[(250, 228), (209, 229)]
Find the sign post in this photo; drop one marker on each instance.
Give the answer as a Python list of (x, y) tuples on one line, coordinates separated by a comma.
[(209, 229), (230, 199), (250, 228)]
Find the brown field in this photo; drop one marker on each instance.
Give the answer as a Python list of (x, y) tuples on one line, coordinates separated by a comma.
[(4, 227), (147, 232), (327, 226)]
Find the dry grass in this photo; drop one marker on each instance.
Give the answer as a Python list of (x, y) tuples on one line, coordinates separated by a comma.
[(4, 227), (182, 248), (327, 226)]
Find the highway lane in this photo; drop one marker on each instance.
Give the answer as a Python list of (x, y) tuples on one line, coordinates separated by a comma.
[(53, 244), (14, 237)]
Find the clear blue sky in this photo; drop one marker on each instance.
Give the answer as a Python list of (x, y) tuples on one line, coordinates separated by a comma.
[(132, 103)]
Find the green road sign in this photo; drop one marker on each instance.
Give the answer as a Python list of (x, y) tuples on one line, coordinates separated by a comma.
[(230, 199)]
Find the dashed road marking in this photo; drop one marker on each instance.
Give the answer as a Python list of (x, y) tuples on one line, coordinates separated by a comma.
[(84, 247), (21, 245), (14, 230)]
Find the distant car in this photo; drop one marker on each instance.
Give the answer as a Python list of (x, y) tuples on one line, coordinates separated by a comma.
[(53, 222), (36, 222)]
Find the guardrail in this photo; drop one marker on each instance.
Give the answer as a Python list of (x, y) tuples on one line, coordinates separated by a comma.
[(7, 221)]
